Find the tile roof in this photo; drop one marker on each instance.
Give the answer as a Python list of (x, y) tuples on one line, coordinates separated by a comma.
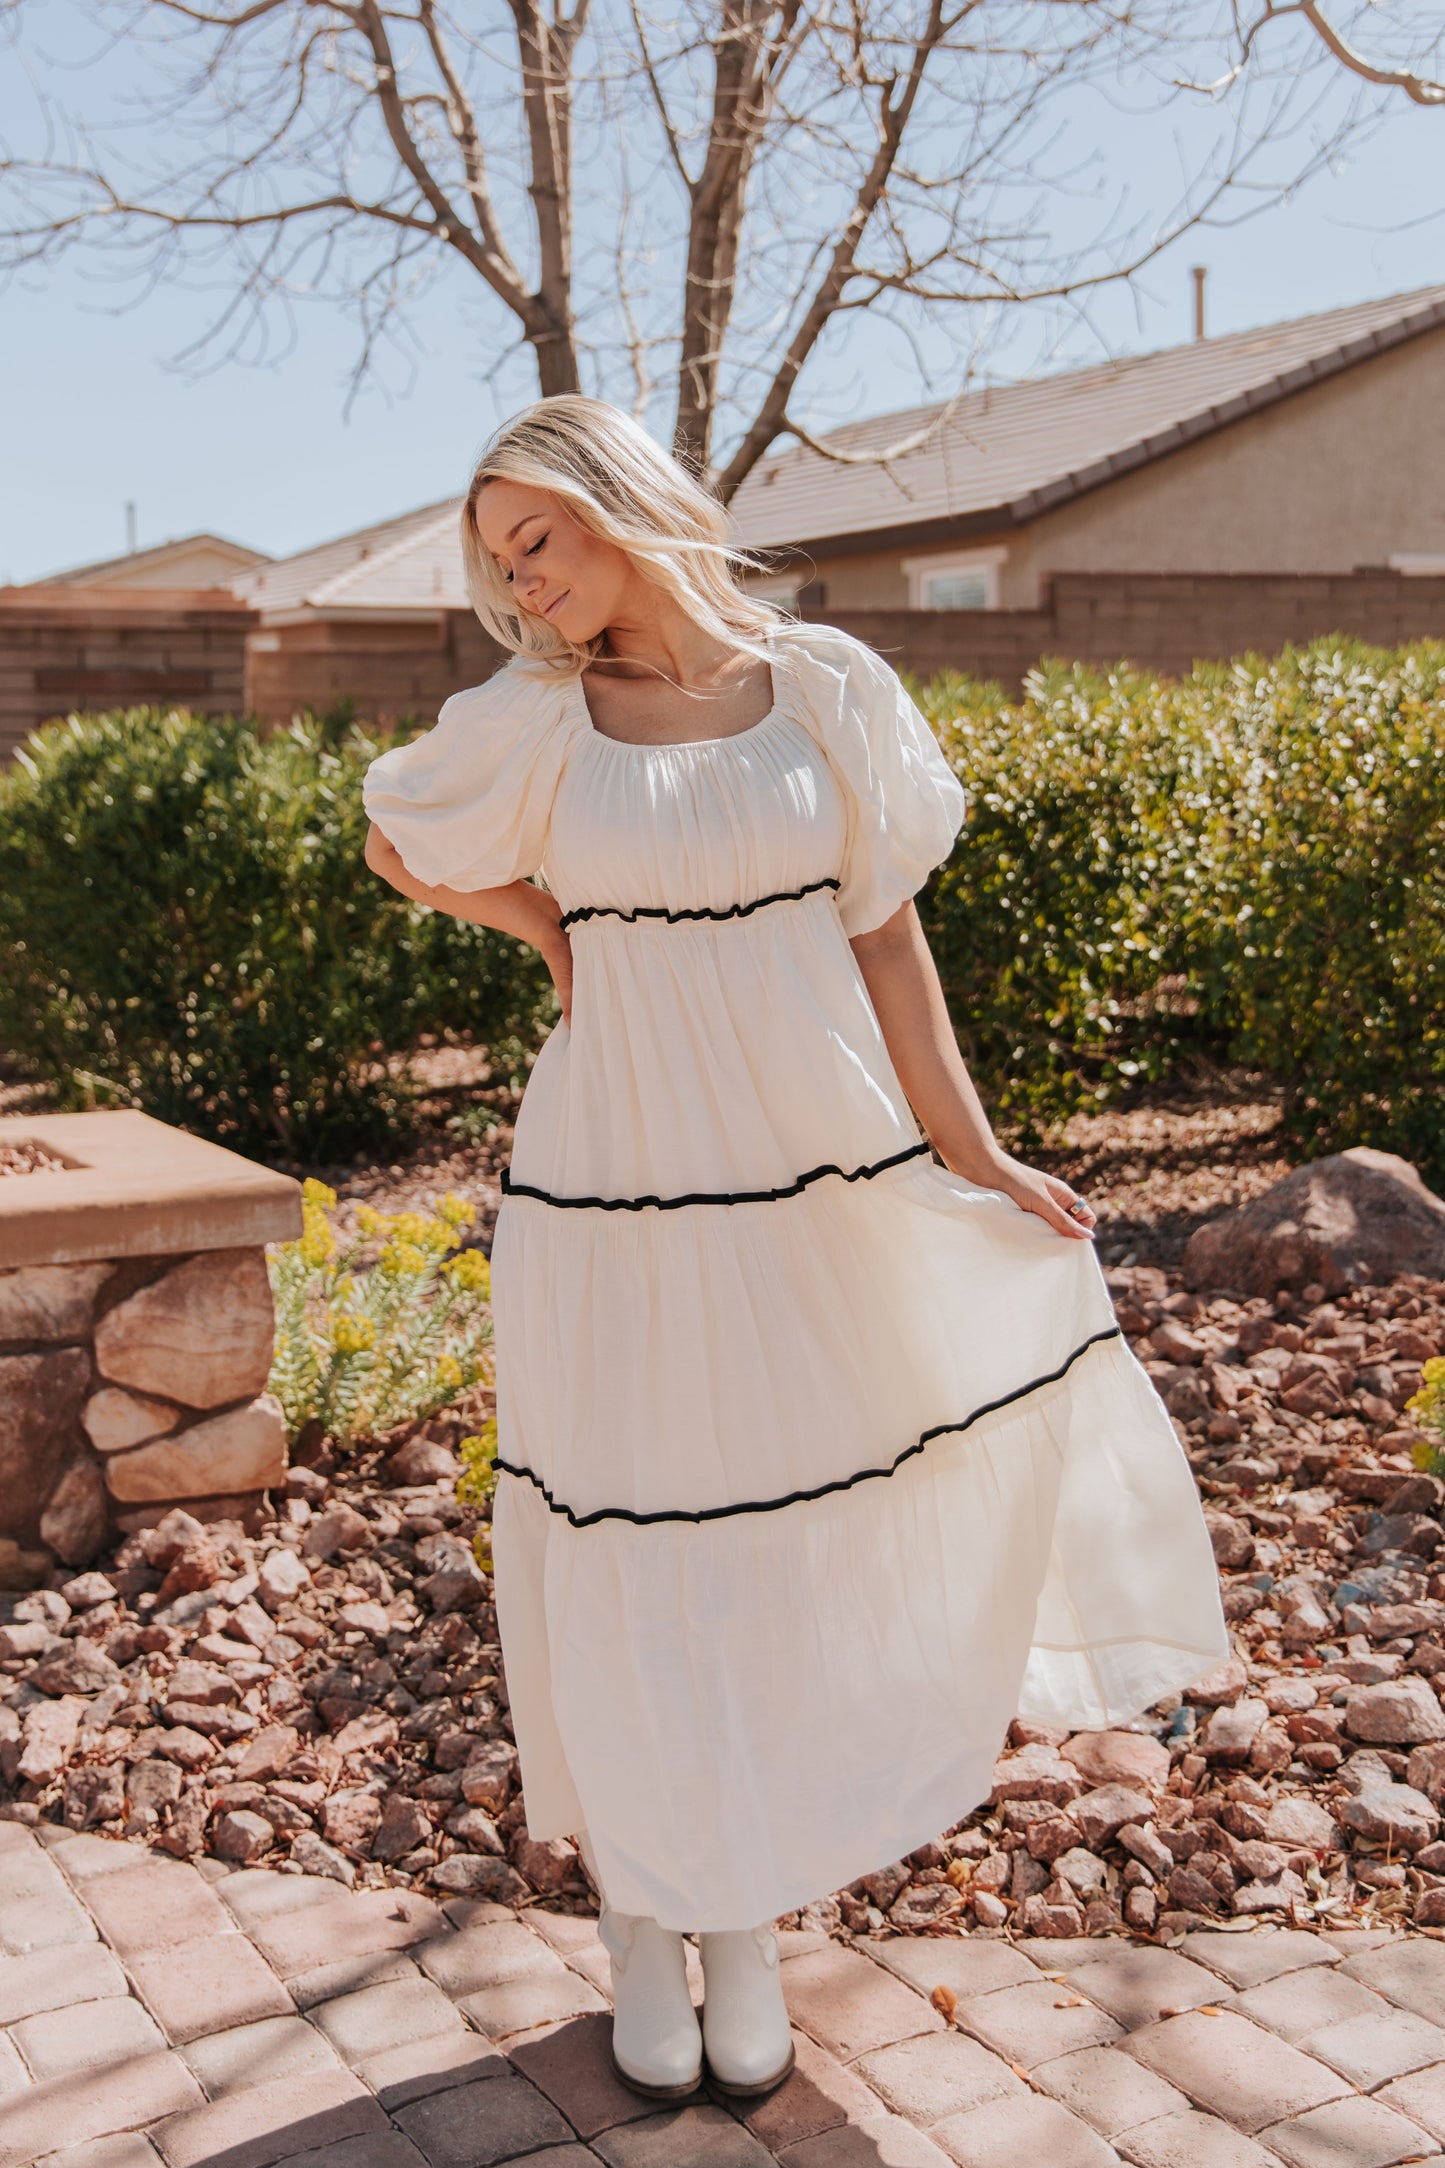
[(410, 563), (1005, 454), (104, 570)]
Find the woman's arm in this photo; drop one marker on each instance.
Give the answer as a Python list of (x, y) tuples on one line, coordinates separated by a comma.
[(520, 908), (902, 981)]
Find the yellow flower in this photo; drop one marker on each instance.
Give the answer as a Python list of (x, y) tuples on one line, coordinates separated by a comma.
[(455, 1210), (352, 1335), (449, 1372), (317, 1193), (370, 1221), (317, 1246), (469, 1270), (411, 1227), (401, 1257), (1434, 1370)]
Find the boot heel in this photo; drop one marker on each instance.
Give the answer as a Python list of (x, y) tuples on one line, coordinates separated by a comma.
[(656, 2040)]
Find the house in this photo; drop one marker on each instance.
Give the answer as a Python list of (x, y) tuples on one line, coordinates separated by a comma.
[(195, 561)]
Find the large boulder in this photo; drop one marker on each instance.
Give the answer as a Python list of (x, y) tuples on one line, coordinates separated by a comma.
[(1355, 1215), (201, 1334)]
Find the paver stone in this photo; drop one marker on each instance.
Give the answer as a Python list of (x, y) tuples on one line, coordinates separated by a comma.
[(849, 2005), (1111, 2091), (89, 2104), (937, 2074), (385, 2016), (1033, 2024), (273, 2047), (478, 2126), (818, 2095), (1236, 2070), (1194, 2140), (1410, 1972), (1004, 2133), (1378, 2045), (269, 2123), (883, 2141), (1421, 2096), (571, 2064), (88, 2033), (1297, 2003), (1134, 1982), (208, 1987), (1362, 2133), (1247, 1960)]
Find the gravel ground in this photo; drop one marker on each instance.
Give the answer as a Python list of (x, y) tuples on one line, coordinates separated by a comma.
[(324, 1689)]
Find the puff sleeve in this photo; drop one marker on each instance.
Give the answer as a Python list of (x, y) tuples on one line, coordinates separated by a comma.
[(905, 804), (468, 804)]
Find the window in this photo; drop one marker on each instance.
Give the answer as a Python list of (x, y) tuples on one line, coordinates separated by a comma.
[(966, 581)]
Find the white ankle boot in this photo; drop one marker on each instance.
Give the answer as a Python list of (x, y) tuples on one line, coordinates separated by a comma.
[(656, 2041), (745, 2030)]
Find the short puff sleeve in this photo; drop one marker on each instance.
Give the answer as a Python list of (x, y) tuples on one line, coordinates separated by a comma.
[(905, 804), (468, 804)]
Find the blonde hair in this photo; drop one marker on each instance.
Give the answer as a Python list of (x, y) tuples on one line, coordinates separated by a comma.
[(621, 486)]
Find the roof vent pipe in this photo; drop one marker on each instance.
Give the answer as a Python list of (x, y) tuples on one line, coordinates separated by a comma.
[(1199, 274)]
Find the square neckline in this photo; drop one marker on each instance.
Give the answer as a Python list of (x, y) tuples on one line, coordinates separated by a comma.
[(677, 745)]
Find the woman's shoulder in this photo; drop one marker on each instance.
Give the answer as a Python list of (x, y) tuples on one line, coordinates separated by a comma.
[(528, 695)]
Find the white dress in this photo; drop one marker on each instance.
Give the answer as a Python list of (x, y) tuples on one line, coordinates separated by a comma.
[(818, 1462)]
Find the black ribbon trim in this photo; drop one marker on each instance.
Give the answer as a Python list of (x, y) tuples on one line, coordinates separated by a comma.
[(717, 1196), (804, 1497), (674, 918)]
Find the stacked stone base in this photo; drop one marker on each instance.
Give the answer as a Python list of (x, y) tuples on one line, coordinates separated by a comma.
[(127, 1387)]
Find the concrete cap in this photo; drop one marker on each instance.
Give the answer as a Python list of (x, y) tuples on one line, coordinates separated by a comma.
[(134, 1187)]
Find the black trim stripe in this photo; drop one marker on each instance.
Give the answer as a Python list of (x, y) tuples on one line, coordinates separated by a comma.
[(674, 918), (803, 1497), (714, 1196)]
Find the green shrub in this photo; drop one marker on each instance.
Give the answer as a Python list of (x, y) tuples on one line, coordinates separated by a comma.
[(1250, 860), (360, 1351), (189, 927)]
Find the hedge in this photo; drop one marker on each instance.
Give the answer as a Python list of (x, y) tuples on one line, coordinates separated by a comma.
[(188, 927), (1247, 862), (1250, 860)]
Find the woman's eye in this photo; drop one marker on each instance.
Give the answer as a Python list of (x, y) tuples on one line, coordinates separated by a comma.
[(535, 546)]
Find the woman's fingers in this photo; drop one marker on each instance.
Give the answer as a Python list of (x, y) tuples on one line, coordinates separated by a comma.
[(1050, 1199)]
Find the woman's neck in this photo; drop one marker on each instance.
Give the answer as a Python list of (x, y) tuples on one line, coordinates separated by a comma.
[(658, 639)]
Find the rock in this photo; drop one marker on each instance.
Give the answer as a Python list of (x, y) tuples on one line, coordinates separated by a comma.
[(20, 1568), (46, 1304), (86, 1590), (1049, 1836), (184, 1744), (547, 1863), (272, 1750), (79, 1667), (1398, 1712), (1232, 1730), (241, 1836), (154, 1784), (988, 1909), (365, 1618), (173, 1533), (1282, 1893), (339, 1528), (201, 1334), (1305, 1619), (1225, 1683), (457, 1583), (203, 1684), (1083, 1873), (49, 1734), (1289, 1697), (242, 1450), (885, 1886), (1426, 1772), (1334, 1221), (1174, 1343), (473, 1827), (1141, 1910), (313, 1856), (1119, 1757), (350, 1818), (1101, 1814), (465, 1875), (115, 1419), (422, 1460), (1299, 1821), (1037, 1772), (488, 1777), (1037, 1916), (374, 1732), (27, 1638), (1232, 1540), (280, 1579), (40, 1402), (93, 1795), (1393, 1814), (404, 1824)]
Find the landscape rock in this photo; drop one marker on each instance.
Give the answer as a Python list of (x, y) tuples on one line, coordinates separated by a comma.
[(404, 1824), (1232, 1729), (488, 1777), (456, 1582), (1393, 1814), (77, 1667), (1426, 1772), (1397, 1712), (1332, 1221), (76, 1520), (1299, 1821), (421, 1461), (1037, 1772), (1225, 1683), (313, 1856), (1119, 1757), (242, 1836), (241, 1450), (40, 1401), (339, 1528), (1102, 1813), (48, 1304), (1233, 1542), (280, 1579), (202, 1334), (115, 1419), (466, 1875), (49, 1733)]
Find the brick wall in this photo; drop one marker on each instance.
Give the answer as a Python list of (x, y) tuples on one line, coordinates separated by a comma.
[(70, 648), (388, 670), (1161, 621)]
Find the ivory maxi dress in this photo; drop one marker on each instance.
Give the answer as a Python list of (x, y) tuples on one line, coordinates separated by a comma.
[(818, 1462)]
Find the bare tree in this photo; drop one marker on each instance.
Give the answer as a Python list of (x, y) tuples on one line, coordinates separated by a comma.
[(1419, 88), (654, 198)]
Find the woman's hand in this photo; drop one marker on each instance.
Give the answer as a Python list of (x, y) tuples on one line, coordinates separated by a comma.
[(1044, 1194)]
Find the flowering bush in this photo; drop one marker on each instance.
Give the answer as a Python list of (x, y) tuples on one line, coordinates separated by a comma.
[(477, 1481), (361, 1351), (1428, 1408)]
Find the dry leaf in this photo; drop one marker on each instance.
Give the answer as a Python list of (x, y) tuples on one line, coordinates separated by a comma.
[(945, 2001), (1167, 2009), (1209, 2009), (1071, 2002), (959, 1872), (1020, 2072)]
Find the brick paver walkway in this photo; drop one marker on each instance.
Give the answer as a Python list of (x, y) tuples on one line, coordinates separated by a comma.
[(154, 2012)]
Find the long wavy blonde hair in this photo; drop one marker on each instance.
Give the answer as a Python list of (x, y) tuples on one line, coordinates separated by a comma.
[(620, 485)]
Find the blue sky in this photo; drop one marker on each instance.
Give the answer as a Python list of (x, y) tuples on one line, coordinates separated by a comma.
[(100, 415)]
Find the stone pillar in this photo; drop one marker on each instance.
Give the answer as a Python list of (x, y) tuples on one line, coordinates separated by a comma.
[(136, 1334)]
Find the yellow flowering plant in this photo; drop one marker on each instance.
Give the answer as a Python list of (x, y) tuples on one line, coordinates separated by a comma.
[(362, 1349), (1428, 1408), (476, 1483)]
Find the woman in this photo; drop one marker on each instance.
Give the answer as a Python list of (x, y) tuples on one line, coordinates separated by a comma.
[(821, 1457)]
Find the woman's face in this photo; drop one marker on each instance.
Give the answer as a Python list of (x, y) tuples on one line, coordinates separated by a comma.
[(556, 569)]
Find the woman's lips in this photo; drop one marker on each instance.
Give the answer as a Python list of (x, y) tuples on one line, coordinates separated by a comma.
[(549, 609)]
